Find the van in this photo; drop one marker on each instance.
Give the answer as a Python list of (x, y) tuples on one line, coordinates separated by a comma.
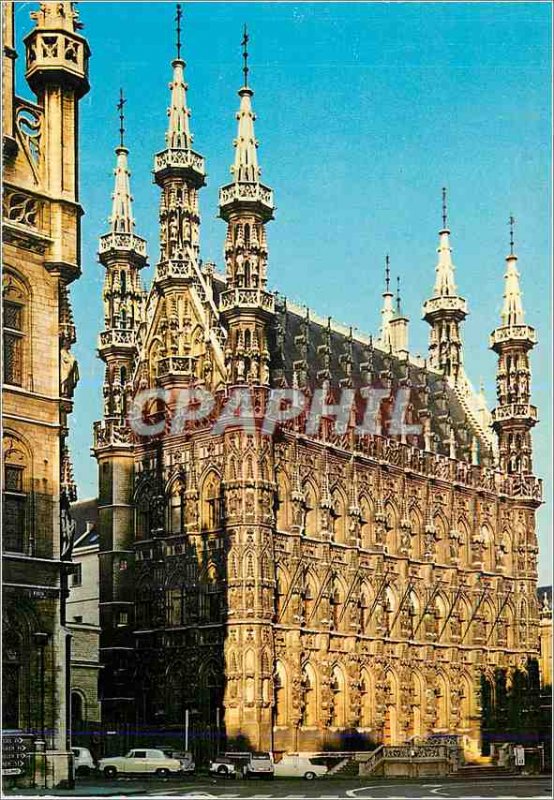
[(293, 765)]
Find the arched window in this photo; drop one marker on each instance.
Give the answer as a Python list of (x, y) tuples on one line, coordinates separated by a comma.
[(443, 703), (176, 509), (443, 546), (418, 543), (78, 715), (15, 302), (211, 502), (123, 282), (15, 534), (143, 513)]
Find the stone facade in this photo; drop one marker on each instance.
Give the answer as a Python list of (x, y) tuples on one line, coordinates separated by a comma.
[(83, 622), (314, 585), (41, 227)]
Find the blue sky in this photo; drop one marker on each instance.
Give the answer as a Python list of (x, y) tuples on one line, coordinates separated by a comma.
[(364, 112)]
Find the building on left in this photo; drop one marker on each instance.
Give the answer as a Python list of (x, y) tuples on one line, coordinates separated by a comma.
[(41, 230)]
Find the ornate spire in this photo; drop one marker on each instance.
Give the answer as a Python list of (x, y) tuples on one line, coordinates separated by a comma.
[(121, 220), (445, 285), (178, 159), (121, 236), (387, 312), (245, 169), (445, 310), (512, 310), (514, 416), (178, 135)]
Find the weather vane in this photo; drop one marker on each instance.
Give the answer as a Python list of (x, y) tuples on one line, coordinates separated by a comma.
[(120, 108), (244, 43), (387, 272), (178, 17), (511, 223), (444, 209)]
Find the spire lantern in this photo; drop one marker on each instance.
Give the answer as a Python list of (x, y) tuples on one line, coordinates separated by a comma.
[(398, 326)]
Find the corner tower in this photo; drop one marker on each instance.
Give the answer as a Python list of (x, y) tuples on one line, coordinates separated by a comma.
[(246, 205), (514, 416), (445, 310), (123, 254)]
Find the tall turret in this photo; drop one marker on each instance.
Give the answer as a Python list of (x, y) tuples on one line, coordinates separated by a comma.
[(179, 172), (123, 254), (246, 205), (513, 416), (445, 310)]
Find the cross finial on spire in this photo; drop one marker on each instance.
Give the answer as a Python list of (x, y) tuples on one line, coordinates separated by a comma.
[(244, 43), (444, 209), (120, 108), (511, 223), (178, 17), (387, 272)]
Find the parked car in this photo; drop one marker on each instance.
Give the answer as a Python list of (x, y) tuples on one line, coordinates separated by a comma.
[(83, 762), (187, 762), (140, 761), (258, 765), (224, 767), (294, 766)]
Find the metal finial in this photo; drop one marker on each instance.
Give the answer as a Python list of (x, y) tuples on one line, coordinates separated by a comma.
[(511, 223), (444, 209), (120, 108), (387, 273), (178, 18), (244, 43), (398, 293)]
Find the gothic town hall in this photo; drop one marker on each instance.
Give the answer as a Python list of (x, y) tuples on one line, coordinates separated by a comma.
[(294, 584)]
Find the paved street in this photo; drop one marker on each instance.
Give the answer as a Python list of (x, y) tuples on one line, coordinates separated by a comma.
[(535, 788)]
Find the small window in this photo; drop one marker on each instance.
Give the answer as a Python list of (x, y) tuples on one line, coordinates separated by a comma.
[(122, 619), (139, 754), (13, 479), (13, 333), (77, 577)]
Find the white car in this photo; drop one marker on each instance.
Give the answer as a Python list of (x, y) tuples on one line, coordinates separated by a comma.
[(294, 766), (224, 767), (140, 761), (83, 762)]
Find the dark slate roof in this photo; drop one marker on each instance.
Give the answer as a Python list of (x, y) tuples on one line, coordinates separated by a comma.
[(316, 351), (85, 515)]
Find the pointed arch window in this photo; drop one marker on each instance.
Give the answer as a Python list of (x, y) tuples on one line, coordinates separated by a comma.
[(338, 517), (310, 510), (176, 509), (15, 537), (211, 503), (14, 332), (309, 710)]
